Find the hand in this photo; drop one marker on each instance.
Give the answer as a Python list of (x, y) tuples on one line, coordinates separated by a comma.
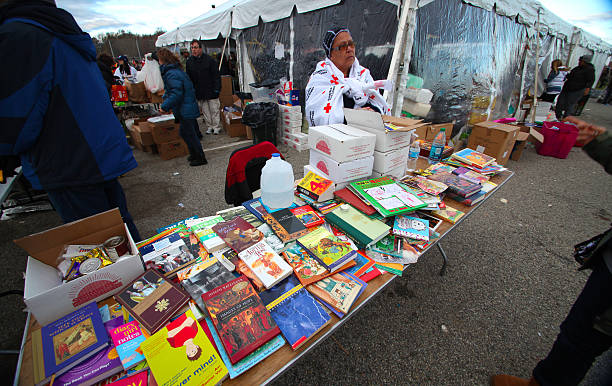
[(162, 111), (586, 131), (367, 108)]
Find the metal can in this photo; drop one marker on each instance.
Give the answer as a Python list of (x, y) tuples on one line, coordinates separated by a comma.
[(90, 265), (116, 247)]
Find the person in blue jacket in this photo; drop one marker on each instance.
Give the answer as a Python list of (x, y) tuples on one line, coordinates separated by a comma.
[(179, 96), (55, 115)]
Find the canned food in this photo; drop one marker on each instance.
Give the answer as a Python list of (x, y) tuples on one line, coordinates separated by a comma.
[(90, 265), (116, 247)]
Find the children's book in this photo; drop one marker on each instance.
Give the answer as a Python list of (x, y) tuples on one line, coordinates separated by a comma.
[(469, 201), (127, 339), (181, 354), (363, 230), (316, 187), (394, 268), (152, 300), (202, 228), (393, 249), (266, 264), (473, 157), (438, 167), (307, 216), (298, 315), (168, 255), (175, 225), (339, 291), (240, 318), (456, 184), (210, 275), (238, 234), (271, 238), (242, 268), (434, 222), (386, 196), (370, 274), (231, 213), (488, 186), (139, 379), (67, 342), (362, 265), (412, 227), (286, 225), (329, 251), (250, 360), (470, 175), (306, 268), (428, 186), (448, 214)]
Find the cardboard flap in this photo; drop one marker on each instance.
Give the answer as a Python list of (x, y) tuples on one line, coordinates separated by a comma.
[(522, 136), (535, 136), (497, 126), (350, 131), (405, 124), (361, 117), (46, 246)]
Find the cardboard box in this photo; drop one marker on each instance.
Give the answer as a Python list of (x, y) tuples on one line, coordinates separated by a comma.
[(44, 293), (249, 132), (284, 109), (341, 171), (233, 124), (429, 131), (226, 85), (372, 122), (335, 186), (526, 134), (300, 138), (419, 95), (137, 92), (143, 132), (398, 172), (494, 139), (226, 100), (390, 160), (341, 142), (172, 149), (295, 145)]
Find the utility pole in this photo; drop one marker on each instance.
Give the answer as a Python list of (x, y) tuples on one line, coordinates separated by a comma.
[(111, 47), (138, 48)]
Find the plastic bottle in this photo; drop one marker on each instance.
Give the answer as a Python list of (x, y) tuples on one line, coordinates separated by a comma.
[(413, 155), (277, 183), (435, 154)]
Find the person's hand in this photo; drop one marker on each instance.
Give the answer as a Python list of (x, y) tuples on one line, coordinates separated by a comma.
[(367, 108), (586, 131), (162, 111)]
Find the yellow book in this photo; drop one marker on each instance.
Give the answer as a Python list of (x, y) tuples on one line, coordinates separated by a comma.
[(181, 354), (449, 214), (316, 187)]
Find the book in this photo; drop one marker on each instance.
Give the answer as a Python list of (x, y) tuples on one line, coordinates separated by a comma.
[(250, 360), (412, 227), (242, 268), (488, 186), (488, 170), (386, 196), (192, 241), (240, 318), (456, 184), (363, 230), (127, 339), (238, 234), (181, 354), (393, 249), (473, 157), (347, 196), (202, 228), (66, 342), (428, 186), (231, 213), (469, 201), (434, 222), (265, 263), (362, 265), (394, 268), (286, 225), (298, 315), (448, 214), (176, 224), (210, 275), (168, 255), (327, 249), (306, 268), (271, 238), (339, 291), (370, 274), (255, 207), (470, 175), (152, 300), (315, 187), (307, 216), (439, 167), (139, 379)]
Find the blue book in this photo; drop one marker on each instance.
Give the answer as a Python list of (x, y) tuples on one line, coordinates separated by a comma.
[(70, 340), (250, 360), (352, 277), (298, 315), (411, 227), (255, 206)]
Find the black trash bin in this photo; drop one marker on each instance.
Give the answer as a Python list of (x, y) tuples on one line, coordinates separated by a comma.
[(262, 117)]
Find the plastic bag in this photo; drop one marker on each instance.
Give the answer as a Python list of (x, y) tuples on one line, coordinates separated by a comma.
[(258, 114), (151, 75)]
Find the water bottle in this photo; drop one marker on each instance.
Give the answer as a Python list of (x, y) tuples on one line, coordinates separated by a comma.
[(277, 183), (435, 154), (413, 155)]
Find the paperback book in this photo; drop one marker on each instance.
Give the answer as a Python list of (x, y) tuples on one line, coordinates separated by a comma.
[(386, 196), (168, 255), (266, 264), (412, 227), (315, 187), (338, 291), (238, 234), (473, 157), (286, 225), (307, 216), (202, 228), (231, 213), (448, 214), (242, 268), (211, 274), (456, 184), (127, 339), (469, 201), (271, 238), (327, 249), (470, 175), (393, 249)]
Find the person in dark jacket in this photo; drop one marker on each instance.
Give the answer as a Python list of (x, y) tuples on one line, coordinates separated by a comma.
[(55, 112), (105, 64), (577, 84), (204, 73), (180, 98)]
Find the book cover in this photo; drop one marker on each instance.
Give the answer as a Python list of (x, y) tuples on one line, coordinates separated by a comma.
[(63, 344), (470, 175), (412, 227), (202, 228), (240, 318), (370, 274), (439, 167), (364, 231), (488, 186), (285, 225), (127, 339), (456, 184), (167, 255), (428, 186), (298, 315), (307, 216), (271, 238), (386, 196), (315, 187), (473, 157), (231, 213), (448, 214), (250, 360), (339, 291), (266, 264), (152, 300), (139, 379), (176, 224), (331, 252), (256, 208), (192, 241), (469, 201), (394, 268), (362, 265), (306, 268), (243, 269), (99, 366), (347, 196), (210, 275), (181, 354), (238, 234)]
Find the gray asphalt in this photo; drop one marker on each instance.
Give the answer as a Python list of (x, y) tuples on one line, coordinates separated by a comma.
[(510, 282)]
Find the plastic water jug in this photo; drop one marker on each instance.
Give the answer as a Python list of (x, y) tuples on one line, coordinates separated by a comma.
[(277, 183)]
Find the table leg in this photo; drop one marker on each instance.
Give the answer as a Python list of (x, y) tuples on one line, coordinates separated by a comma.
[(443, 269)]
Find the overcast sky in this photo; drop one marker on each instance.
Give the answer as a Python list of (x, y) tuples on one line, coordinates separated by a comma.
[(99, 16)]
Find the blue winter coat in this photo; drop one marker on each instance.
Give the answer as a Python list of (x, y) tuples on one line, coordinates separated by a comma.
[(54, 107), (179, 95)]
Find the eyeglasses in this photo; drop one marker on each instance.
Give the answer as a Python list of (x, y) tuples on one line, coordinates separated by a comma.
[(343, 47)]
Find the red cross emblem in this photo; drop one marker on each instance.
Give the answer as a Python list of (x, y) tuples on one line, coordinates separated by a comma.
[(327, 108), (334, 80), (361, 72), (322, 64), (372, 97)]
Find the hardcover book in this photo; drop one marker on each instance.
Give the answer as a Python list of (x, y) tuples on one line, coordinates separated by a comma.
[(329, 251), (242, 268), (469, 201), (63, 344), (266, 264), (448, 214), (411, 227), (202, 228), (298, 315), (240, 318), (307, 216), (386, 196), (339, 291), (152, 300), (241, 211), (210, 275), (315, 187), (181, 354), (363, 230), (286, 225), (470, 175), (456, 184), (238, 234), (167, 255), (347, 196), (473, 157), (306, 268), (127, 339)]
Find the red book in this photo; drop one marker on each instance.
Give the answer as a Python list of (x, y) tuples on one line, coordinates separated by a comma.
[(242, 321), (307, 216), (238, 233), (351, 198)]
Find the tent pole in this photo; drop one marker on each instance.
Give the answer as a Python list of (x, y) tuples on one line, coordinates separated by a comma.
[(226, 39), (398, 53), (537, 70), (292, 47)]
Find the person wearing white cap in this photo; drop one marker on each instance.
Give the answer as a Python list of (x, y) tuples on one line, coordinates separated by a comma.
[(577, 84)]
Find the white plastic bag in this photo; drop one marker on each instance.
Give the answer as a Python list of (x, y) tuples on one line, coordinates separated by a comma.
[(151, 75)]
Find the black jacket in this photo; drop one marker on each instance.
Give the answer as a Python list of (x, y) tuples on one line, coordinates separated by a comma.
[(579, 78), (107, 75), (204, 74)]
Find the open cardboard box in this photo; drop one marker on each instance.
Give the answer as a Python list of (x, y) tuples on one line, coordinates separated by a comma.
[(428, 131), (526, 134), (46, 296), (494, 139), (341, 142)]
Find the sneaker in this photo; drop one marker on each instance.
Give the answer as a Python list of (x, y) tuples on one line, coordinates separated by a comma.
[(216, 131), (209, 131), (190, 158), (198, 162)]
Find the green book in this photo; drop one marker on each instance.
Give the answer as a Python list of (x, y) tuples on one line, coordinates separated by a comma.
[(363, 230), (387, 196), (331, 252)]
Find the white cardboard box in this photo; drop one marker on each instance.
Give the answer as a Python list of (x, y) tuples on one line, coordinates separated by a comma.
[(341, 171), (290, 109), (335, 186), (46, 296), (341, 142), (291, 129), (296, 145), (292, 116), (372, 122), (384, 162), (397, 173), (300, 138)]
